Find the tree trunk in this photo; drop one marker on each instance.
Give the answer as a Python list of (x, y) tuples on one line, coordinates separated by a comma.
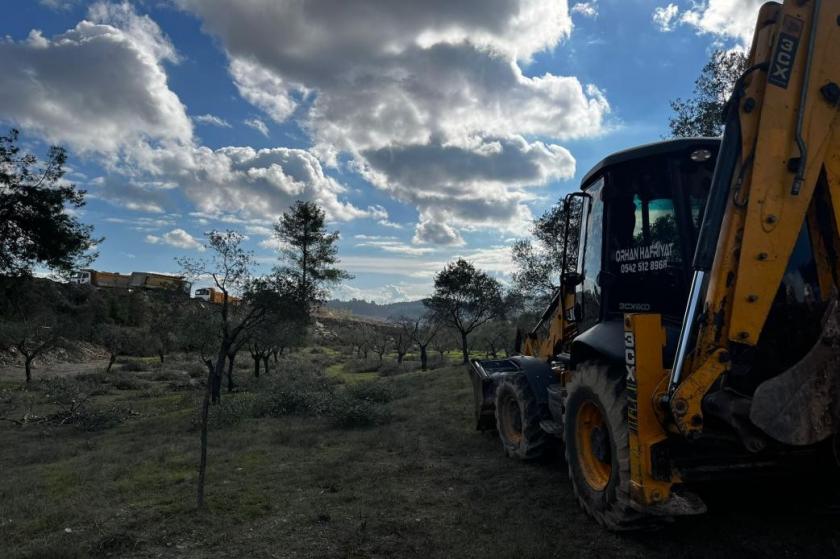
[(256, 365), (218, 374), (27, 365), (111, 362), (464, 349), (162, 356), (205, 412), (231, 384), (265, 363), (400, 357), (424, 358)]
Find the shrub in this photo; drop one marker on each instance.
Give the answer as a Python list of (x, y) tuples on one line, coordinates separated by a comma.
[(348, 412), (362, 366), (232, 409), (294, 400), (134, 365), (197, 370), (124, 381), (393, 369), (377, 392)]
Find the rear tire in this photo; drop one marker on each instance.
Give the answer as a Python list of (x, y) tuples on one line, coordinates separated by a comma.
[(597, 446), (518, 419)]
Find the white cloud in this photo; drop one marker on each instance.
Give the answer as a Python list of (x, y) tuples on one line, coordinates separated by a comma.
[(430, 230), (734, 19), (586, 9), (725, 19), (262, 89), (389, 293), (212, 120), (59, 5), (428, 99), (99, 87), (393, 246), (177, 238), (257, 125), (665, 17), (495, 260)]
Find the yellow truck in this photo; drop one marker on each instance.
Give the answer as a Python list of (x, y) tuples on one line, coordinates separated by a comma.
[(135, 280)]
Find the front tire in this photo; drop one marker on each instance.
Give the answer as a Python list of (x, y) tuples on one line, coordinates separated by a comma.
[(597, 445), (518, 419)]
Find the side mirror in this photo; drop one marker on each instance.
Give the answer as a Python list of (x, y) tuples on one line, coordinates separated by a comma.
[(571, 279)]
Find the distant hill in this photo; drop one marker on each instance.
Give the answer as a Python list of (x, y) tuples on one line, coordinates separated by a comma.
[(358, 307)]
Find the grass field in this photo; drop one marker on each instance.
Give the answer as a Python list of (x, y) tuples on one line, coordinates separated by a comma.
[(418, 482)]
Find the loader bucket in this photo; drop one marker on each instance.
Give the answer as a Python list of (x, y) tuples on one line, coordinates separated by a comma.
[(801, 406), (484, 375)]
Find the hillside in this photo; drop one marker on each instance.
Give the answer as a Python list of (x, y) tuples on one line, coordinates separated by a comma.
[(359, 307)]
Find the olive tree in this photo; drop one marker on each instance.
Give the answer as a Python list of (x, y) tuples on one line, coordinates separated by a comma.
[(464, 299)]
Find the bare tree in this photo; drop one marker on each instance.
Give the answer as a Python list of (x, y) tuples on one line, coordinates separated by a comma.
[(30, 322), (31, 336), (402, 336), (423, 331), (380, 341)]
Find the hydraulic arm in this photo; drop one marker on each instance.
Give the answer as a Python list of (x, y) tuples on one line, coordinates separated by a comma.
[(778, 170)]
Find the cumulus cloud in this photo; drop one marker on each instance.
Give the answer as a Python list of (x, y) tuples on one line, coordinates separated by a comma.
[(98, 87), (438, 232), (665, 17), (407, 87), (212, 120), (389, 293), (726, 19), (177, 238), (101, 89), (586, 9)]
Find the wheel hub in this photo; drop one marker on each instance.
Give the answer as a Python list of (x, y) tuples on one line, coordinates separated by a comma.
[(593, 445), (600, 441)]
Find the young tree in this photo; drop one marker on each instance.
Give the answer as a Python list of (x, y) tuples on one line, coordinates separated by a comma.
[(495, 336), (539, 261), (31, 321), (121, 340), (445, 339), (702, 114), (465, 298), (423, 332), (165, 311), (35, 227), (379, 341), (401, 334), (308, 253), (229, 267)]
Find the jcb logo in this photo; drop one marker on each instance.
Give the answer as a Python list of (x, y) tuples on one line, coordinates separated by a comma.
[(785, 55), (630, 356)]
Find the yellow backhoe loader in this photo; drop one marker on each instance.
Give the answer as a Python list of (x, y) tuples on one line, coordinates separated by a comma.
[(699, 336)]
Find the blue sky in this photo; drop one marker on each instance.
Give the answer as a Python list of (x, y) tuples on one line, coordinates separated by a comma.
[(427, 130)]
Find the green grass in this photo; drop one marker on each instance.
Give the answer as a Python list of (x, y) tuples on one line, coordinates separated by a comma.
[(423, 485)]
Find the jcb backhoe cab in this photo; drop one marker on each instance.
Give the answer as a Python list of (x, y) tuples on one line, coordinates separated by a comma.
[(639, 213)]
